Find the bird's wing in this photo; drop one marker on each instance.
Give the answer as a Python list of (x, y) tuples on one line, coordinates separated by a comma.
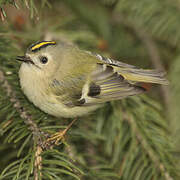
[(114, 80), (101, 86), (134, 74), (106, 85)]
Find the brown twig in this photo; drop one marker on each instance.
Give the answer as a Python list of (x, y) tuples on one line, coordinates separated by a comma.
[(38, 163), (2, 15), (151, 47)]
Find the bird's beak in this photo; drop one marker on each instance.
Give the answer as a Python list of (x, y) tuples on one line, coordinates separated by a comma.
[(24, 59)]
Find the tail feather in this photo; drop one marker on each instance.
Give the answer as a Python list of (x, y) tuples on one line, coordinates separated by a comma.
[(147, 76)]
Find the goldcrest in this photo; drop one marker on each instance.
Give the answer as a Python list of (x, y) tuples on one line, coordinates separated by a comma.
[(64, 81)]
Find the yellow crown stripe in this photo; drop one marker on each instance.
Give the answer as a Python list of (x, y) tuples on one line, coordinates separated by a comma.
[(39, 45)]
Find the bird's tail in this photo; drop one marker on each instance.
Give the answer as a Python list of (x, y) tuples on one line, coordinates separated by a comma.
[(141, 75)]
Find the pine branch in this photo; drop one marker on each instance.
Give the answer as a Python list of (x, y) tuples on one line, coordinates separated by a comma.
[(159, 18), (132, 111), (146, 146)]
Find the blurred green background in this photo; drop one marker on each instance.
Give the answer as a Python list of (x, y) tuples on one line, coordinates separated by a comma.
[(137, 138)]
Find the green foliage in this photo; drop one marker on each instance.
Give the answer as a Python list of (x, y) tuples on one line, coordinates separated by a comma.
[(128, 139), (3, 2), (175, 114), (157, 17), (134, 136), (55, 165)]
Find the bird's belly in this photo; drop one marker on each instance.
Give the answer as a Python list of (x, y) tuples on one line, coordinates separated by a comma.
[(61, 110), (49, 105)]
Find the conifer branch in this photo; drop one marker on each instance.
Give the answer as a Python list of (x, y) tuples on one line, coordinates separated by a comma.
[(146, 147)]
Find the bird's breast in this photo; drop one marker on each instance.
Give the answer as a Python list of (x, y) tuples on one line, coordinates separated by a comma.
[(32, 85)]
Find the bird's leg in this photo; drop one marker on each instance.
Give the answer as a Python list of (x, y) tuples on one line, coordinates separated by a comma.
[(55, 138)]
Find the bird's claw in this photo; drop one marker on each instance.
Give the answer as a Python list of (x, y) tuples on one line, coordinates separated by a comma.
[(59, 136)]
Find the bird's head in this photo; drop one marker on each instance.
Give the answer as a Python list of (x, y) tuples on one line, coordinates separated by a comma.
[(42, 58)]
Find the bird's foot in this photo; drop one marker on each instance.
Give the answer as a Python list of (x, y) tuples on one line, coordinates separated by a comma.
[(59, 136)]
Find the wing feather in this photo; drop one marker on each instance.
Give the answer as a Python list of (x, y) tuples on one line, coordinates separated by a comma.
[(111, 86), (132, 73)]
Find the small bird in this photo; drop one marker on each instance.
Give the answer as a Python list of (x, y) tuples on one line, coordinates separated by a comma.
[(65, 81)]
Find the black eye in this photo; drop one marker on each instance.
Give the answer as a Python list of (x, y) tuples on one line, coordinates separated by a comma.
[(43, 59)]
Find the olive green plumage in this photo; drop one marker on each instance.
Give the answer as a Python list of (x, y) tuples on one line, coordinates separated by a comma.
[(63, 80)]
